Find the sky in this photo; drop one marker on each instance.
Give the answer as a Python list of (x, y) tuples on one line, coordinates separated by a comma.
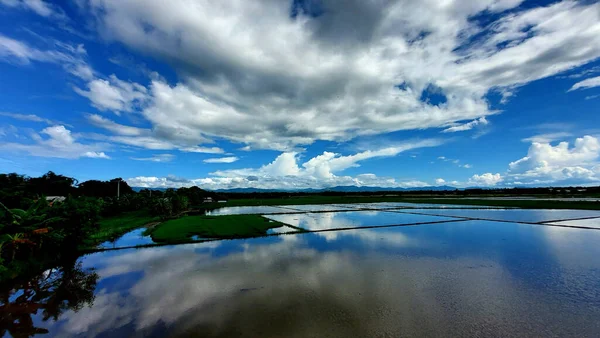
[(302, 93)]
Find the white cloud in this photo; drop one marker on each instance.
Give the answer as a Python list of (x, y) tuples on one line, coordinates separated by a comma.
[(466, 126), (454, 161), (560, 164), (155, 139), (229, 159), (114, 94), (29, 117), (487, 179), (95, 154), (156, 158), (548, 165), (71, 58), (40, 7), (114, 127), (207, 150), (587, 83), (440, 181), (317, 78), (547, 137), (285, 173), (586, 150), (60, 143)]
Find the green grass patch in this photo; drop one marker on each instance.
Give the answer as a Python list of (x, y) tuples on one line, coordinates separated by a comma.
[(114, 227), (230, 226)]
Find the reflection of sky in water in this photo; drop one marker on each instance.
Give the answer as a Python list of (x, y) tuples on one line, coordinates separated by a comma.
[(515, 215), (314, 207), (352, 219), (590, 223), (246, 210), (449, 279), (392, 205), (281, 230), (131, 238)]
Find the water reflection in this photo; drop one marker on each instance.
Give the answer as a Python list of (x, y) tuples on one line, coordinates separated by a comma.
[(27, 309), (454, 279), (352, 219), (513, 215), (247, 210), (132, 238), (589, 223)]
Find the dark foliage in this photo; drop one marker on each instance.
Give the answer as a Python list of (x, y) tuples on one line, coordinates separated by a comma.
[(51, 293)]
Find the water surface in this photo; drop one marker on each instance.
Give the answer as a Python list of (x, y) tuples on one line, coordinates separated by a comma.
[(472, 278), (132, 238), (514, 215), (590, 223), (469, 278), (352, 219), (247, 210)]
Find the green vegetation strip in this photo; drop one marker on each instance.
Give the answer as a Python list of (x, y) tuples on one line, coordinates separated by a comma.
[(230, 226), (316, 199), (525, 204), (113, 227)]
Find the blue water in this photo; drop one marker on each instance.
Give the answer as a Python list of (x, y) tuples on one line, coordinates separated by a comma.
[(454, 279), (514, 215), (395, 205), (131, 238), (247, 210), (352, 219), (590, 223), (315, 207)]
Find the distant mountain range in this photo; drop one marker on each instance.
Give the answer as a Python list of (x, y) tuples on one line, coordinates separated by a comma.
[(350, 188), (337, 189)]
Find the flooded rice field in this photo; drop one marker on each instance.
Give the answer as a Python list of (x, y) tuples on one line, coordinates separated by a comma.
[(401, 272)]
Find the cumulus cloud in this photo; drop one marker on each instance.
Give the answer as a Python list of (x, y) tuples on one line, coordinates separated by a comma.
[(547, 164), (440, 181), (284, 172), (229, 159), (586, 150), (59, 143), (487, 179), (291, 80), (587, 83), (466, 126), (114, 94)]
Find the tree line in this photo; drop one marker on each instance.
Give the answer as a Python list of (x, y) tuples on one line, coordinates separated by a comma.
[(33, 227)]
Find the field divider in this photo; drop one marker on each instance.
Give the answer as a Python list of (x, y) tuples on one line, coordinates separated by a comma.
[(506, 221), (569, 219)]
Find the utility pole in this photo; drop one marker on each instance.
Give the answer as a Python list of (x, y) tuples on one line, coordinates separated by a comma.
[(118, 188)]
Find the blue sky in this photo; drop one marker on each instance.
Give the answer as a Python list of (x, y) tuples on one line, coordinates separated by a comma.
[(302, 94)]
